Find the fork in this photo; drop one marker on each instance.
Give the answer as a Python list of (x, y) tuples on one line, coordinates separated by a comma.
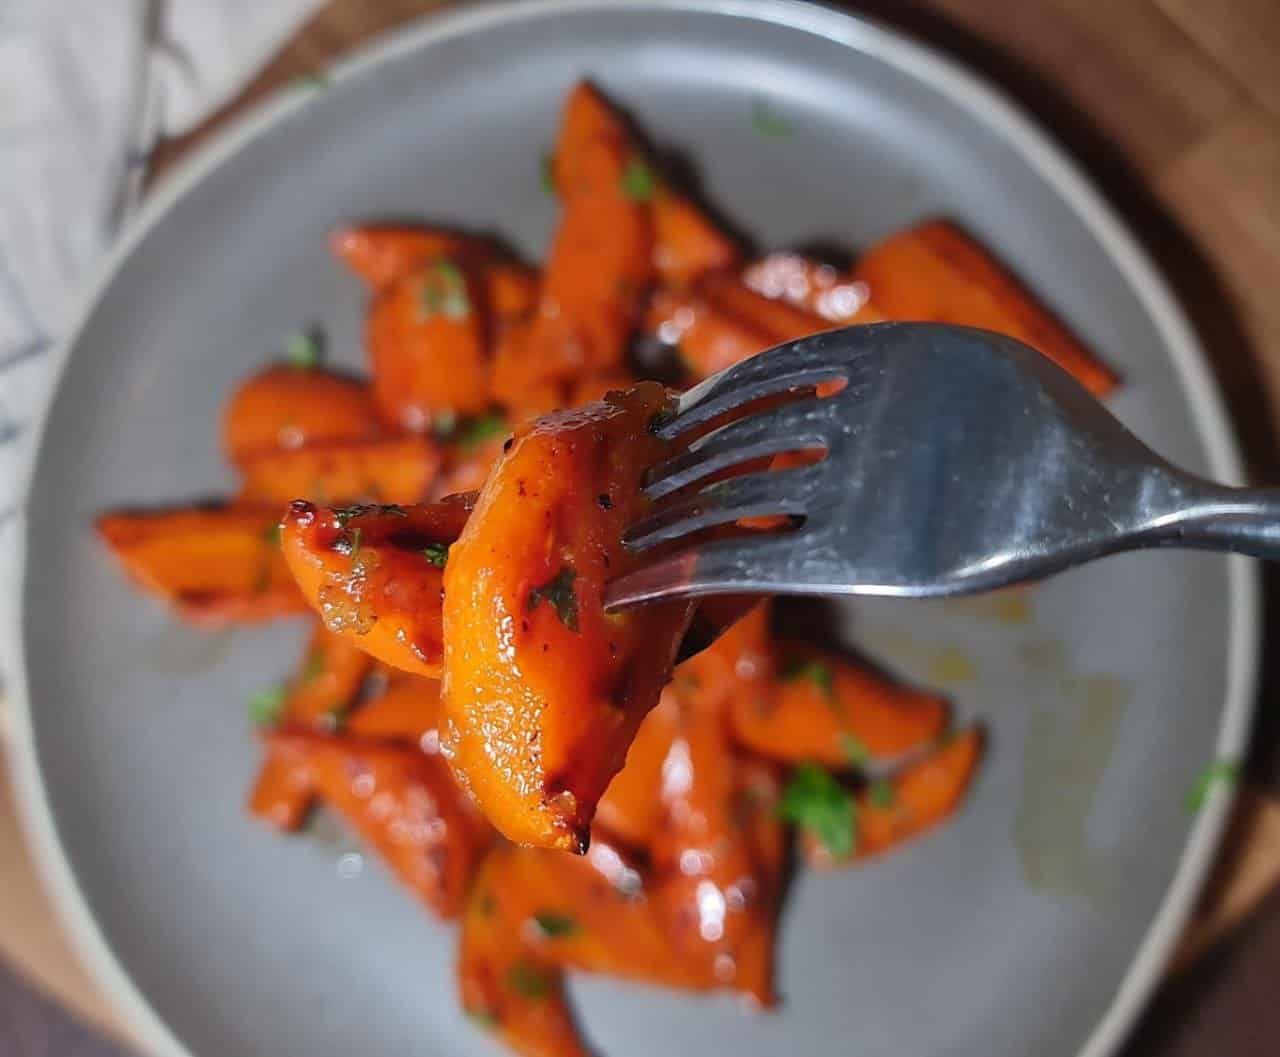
[(955, 461)]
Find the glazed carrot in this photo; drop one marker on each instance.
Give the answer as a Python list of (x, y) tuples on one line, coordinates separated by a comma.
[(814, 286), (503, 987), (631, 809), (404, 804), (382, 253), (214, 565), (935, 271), (542, 692), (393, 470), (687, 244), (921, 795), (738, 668), (828, 708), (601, 257), (332, 671), (780, 320), (708, 338), (407, 709), (375, 574), (287, 408), (717, 854), (467, 466), (426, 342)]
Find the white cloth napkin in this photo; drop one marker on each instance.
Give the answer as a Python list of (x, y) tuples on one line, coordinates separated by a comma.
[(87, 88)]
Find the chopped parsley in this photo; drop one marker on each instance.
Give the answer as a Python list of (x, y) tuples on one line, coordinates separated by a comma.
[(638, 182), (854, 751), (822, 807), (661, 419), (313, 667), (436, 553), (768, 122), (553, 924), (558, 593), (474, 432), (272, 534), (880, 793), (444, 291), (265, 707), (549, 174), (814, 671), (1220, 772), (528, 980), (486, 1018), (317, 79), (353, 548), (303, 352), (343, 515)]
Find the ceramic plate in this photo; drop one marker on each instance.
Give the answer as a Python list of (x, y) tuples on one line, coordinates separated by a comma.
[(1036, 922)]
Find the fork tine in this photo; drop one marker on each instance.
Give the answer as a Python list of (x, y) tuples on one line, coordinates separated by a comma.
[(751, 495), (793, 427), (723, 392), (715, 567)]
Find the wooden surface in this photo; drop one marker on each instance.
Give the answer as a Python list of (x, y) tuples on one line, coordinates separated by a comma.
[(1173, 107)]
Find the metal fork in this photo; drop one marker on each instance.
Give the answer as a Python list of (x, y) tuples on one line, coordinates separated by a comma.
[(957, 460)]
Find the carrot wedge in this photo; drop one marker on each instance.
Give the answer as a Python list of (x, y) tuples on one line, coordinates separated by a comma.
[(404, 804), (837, 712), (631, 809), (375, 574), (813, 285), (392, 470), (214, 565), (407, 710), (935, 271), (427, 347), (687, 244), (918, 797), (543, 691), (283, 409), (600, 261), (321, 691), (504, 988)]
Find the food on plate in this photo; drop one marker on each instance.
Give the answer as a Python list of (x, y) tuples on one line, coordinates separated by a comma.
[(588, 791)]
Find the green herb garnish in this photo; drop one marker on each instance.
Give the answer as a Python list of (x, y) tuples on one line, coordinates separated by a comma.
[(303, 352), (549, 174), (554, 924), (558, 593), (854, 751), (265, 706), (313, 667), (1220, 772), (474, 432), (818, 804), (638, 182), (436, 553), (314, 80), (486, 1018), (528, 980), (815, 671), (881, 794), (342, 515), (768, 122), (272, 534), (444, 291)]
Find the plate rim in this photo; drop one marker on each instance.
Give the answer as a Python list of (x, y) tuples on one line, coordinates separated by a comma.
[(989, 105)]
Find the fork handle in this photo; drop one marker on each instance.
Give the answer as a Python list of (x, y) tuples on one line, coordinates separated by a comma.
[(1240, 520)]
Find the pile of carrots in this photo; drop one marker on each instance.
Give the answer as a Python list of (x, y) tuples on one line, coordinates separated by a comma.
[(421, 502)]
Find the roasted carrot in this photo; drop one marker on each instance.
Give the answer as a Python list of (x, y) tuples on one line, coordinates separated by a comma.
[(631, 809), (318, 696), (375, 574), (214, 565), (542, 691), (918, 797), (406, 709), (404, 804), (283, 409), (708, 338), (780, 320), (601, 257), (425, 336), (503, 987), (829, 708), (937, 272), (392, 470), (814, 286), (687, 244)]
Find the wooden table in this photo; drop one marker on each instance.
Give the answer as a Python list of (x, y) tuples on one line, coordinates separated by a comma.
[(1173, 107)]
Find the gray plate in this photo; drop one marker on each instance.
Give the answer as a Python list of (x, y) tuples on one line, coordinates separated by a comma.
[(1035, 923)]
